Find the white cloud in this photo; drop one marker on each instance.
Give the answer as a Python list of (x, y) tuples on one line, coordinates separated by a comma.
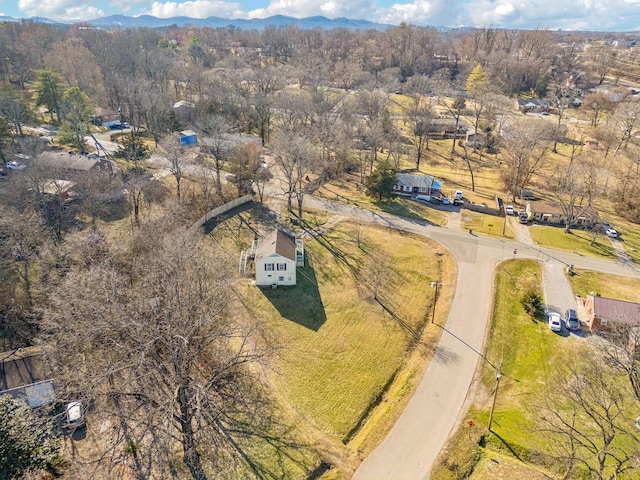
[(196, 9), (125, 6), (354, 9), (552, 14), (505, 10), (612, 15), (425, 12), (68, 10)]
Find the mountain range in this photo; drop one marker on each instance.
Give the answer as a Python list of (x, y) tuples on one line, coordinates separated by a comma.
[(123, 21)]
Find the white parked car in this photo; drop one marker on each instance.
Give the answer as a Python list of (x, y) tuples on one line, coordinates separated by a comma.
[(610, 232), (75, 415), (445, 201), (458, 195), (555, 322), (15, 166), (510, 210)]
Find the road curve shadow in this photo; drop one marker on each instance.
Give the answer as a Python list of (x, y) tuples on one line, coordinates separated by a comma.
[(445, 355)]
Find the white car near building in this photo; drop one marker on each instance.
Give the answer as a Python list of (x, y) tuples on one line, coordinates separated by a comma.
[(611, 233), (555, 323)]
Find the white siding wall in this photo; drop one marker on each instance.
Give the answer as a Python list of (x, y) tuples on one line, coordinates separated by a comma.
[(275, 269)]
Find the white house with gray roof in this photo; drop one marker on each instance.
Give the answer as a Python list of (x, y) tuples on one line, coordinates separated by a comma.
[(276, 258), (413, 184)]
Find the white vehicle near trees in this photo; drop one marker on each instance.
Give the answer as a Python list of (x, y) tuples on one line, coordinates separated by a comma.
[(75, 415), (13, 165)]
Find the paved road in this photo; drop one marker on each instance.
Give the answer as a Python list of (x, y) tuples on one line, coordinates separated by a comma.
[(411, 447)]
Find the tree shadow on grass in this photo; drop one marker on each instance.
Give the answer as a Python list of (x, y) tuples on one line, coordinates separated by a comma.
[(507, 446), (210, 225), (116, 209), (301, 303), (405, 212)]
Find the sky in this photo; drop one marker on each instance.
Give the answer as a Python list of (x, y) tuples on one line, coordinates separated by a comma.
[(596, 15)]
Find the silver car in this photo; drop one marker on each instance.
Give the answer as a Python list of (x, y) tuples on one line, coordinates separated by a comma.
[(571, 319)]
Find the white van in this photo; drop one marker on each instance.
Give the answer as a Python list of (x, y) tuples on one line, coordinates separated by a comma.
[(75, 416), (458, 195), (423, 198)]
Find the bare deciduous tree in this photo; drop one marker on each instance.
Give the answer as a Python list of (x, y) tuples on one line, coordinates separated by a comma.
[(587, 419), (214, 128), (293, 156), (421, 115), (168, 358), (576, 186), (177, 156), (525, 146), (455, 108)]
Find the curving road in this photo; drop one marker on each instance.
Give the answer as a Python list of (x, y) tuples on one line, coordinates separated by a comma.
[(413, 444)]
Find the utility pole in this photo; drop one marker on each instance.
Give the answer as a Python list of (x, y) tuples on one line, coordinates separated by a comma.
[(495, 395), (504, 225), (435, 299)]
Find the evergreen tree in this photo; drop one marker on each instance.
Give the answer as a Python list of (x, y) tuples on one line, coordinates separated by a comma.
[(49, 92), (380, 183), (77, 111), (27, 442), (132, 148)]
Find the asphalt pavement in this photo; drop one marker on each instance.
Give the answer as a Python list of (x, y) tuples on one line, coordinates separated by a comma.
[(413, 444)]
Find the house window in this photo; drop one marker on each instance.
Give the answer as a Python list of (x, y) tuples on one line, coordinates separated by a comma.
[(281, 279), (268, 267), (282, 266), (604, 322)]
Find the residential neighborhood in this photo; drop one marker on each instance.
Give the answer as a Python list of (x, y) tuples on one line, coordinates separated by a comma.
[(324, 253)]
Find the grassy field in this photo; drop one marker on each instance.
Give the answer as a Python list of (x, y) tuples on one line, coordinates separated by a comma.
[(348, 191), (485, 224), (585, 282), (516, 448), (629, 237), (344, 354), (524, 372), (578, 241)]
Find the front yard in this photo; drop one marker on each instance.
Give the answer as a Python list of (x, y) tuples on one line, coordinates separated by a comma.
[(343, 339), (582, 242)]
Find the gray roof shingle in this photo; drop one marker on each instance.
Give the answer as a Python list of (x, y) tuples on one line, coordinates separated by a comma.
[(277, 242)]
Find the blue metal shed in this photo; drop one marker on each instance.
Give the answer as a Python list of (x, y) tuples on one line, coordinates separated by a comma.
[(188, 137)]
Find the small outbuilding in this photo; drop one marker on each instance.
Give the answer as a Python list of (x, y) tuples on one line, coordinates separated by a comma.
[(26, 376), (185, 111), (276, 258), (188, 137)]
